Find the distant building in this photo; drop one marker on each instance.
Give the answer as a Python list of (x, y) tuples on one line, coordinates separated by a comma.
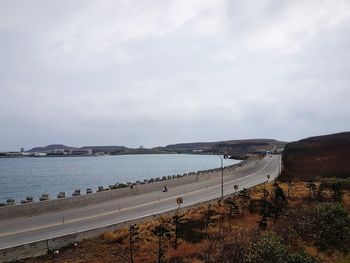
[(58, 151), (87, 151), (13, 154), (40, 154), (72, 151), (27, 154)]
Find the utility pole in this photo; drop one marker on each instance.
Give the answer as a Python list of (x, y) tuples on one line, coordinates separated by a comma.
[(280, 164), (222, 176)]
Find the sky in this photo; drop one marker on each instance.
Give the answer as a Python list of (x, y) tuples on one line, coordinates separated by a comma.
[(157, 72)]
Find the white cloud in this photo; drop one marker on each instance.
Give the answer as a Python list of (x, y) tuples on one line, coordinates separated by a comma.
[(153, 72), (298, 22)]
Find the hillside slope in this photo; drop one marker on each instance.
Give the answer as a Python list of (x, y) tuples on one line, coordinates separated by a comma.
[(315, 157), (230, 147), (51, 147)]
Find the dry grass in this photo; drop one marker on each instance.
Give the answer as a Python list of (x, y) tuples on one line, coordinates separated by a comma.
[(117, 236), (113, 246), (184, 250)]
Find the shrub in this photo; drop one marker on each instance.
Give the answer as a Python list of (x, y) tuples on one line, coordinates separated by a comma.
[(329, 225), (300, 257), (288, 227), (269, 248), (344, 182), (235, 247), (337, 194)]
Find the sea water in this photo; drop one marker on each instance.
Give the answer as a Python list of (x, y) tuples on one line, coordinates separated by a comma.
[(21, 177)]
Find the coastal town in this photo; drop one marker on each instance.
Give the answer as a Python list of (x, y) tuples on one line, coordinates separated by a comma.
[(50, 152)]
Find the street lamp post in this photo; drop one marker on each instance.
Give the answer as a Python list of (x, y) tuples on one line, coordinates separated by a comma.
[(222, 176)]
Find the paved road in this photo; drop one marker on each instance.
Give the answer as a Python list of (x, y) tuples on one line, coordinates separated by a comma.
[(26, 230)]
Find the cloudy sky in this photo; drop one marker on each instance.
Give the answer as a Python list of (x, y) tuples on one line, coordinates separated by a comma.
[(135, 72)]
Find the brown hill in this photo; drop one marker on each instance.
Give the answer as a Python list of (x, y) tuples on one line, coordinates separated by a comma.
[(230, 147), (317, 157), (51, 147)]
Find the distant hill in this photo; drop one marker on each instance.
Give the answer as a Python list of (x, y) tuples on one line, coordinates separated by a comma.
[(51, 147), (231, 147), (95, 149), (106, 149), (144, 151), (316, 157)]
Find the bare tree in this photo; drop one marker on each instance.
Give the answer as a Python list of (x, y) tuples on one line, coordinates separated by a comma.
[(177, 221), (133, 233), (161, 232)]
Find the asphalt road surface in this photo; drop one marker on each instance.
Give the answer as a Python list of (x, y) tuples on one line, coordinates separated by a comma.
[(29, 229)]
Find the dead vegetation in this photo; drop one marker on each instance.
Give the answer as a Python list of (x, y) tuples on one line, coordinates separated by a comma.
[(272, 221)]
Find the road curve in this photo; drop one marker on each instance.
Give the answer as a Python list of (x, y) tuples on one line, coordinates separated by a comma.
[(20, 231)]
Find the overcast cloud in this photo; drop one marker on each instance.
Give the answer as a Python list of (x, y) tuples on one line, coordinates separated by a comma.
[(134, 72)]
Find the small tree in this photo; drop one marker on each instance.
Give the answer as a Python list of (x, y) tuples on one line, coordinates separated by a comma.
[(133, 233), (232, 206), (162, 233), (279, 199), (244, 196), (208, 219), (178, 222), (320, 193), (279, 202), (265, 193), (290, 186), (268, 210), (265, 213), (312, 189), (337, 193)]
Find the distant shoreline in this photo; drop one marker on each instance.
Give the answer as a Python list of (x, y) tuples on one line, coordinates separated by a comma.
[(107, 155), (241, 149)]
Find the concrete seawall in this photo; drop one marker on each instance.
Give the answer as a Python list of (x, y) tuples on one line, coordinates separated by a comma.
[(36, 208)]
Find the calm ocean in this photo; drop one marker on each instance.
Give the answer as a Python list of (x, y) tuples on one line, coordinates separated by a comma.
[(20, 177)]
